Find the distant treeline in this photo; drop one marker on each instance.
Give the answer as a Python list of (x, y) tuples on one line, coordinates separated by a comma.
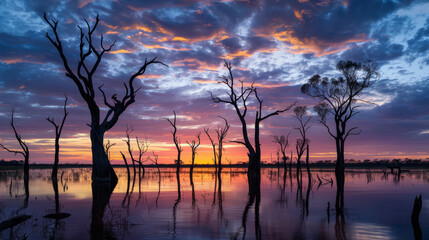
[(415, 163)]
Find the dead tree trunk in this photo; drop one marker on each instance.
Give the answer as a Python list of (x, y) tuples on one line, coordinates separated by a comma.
[(307, 163), (194, 145), (143, 147), (283, 142), (58, 130), (130, 151), (206, 130), (221, 135), (25, 152), (107, 148), (176, 142), (83, 78), (301, 143), (237, 97)]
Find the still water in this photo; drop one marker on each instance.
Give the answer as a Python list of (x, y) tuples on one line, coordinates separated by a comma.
[(378, 205)]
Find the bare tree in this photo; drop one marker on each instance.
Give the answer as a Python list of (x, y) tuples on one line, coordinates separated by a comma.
[(176, 141), (221, 135), (58, 130), (206, 130), (130, 150), (301, 143), (283, 142), (25, 152), (237, 97), (194, 145), (83, 79), (143, 147), (107, 147), (339, 97), (155, 161)]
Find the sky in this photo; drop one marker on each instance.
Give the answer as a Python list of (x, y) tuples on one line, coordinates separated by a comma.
[(277, 44)]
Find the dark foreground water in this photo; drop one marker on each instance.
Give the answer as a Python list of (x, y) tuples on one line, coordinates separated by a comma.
[(378, 205)]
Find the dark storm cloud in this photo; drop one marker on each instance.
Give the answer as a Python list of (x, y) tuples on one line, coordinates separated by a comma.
[(410, 101), (380, 51), (419, 45)]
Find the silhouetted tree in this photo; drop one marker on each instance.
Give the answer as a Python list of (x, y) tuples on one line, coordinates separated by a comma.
[(339, 97), (194, 145), (58, 130), (143, 147), (155, 161), (206, 130), (301, 143), (221, 135), (83, 79), (176, 141), (130, 150), (237, 97), (107, 147), (283, 142), (25, 152)]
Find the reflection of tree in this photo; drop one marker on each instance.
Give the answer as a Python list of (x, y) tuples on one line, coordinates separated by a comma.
[(193, 190), (57, 215), (417, 207), (101, 192), (254, 197), (340, 226), (155, 161), (176, 203), (283, 197), (26, 188)]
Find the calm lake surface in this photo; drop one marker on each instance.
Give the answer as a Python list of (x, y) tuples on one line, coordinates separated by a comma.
[(378, 205)]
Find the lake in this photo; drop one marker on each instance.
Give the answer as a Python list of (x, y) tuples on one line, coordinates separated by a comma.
[(378, 205)]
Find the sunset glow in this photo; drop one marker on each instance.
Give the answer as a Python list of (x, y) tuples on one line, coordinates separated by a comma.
[(276, 45)]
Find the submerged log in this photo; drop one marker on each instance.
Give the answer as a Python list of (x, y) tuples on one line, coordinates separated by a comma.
[(13, 222)]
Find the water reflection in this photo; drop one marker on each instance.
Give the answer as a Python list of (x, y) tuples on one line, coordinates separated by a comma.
[(209, 204)]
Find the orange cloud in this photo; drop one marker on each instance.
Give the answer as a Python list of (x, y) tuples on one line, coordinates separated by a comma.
[(112, 32), (149, 76), (121, 51), (312, 45), (164, 47), (17, 60), (298, 14), (204, 81), (109, 26), (246, 54), (182, 39), (83, 3), (138, 27), (196, 65)]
